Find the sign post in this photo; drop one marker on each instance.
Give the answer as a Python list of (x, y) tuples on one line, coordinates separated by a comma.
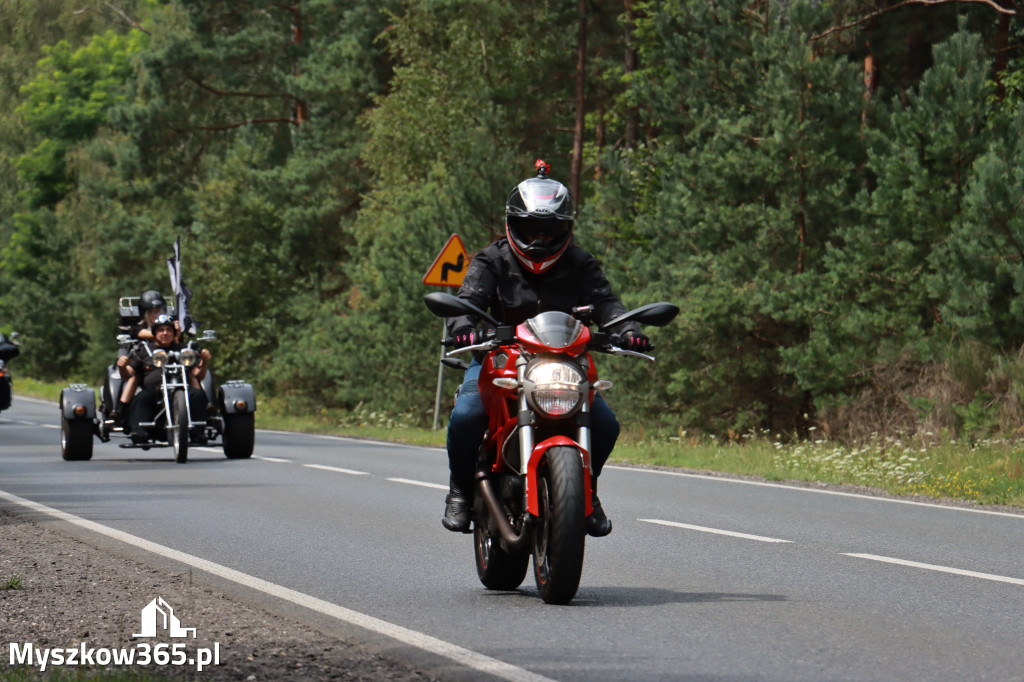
[(447, 270)]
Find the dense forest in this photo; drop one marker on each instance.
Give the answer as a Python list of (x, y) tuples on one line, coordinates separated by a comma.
[(831, 191)]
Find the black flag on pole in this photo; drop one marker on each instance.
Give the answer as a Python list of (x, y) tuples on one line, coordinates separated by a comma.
[(181, 290)]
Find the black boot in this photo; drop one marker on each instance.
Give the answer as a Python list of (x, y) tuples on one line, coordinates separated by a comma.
[(119, 412), (456, 510), (598, 525), (198, 436)]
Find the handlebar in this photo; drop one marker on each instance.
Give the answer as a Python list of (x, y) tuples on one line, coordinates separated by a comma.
[(601, 342)]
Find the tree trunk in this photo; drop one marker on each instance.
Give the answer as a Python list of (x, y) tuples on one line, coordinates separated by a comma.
[(630, 63), (299, 114), (581, 82), (870, 84), (1002, 55)]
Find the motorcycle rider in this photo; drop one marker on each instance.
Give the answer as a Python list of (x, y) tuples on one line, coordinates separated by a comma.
[(8, 351), (536, 268), (151, 306), (144, 405), (8, 347)]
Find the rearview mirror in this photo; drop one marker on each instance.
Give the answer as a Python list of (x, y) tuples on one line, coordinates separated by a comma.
[(653, 314), (446, 305)]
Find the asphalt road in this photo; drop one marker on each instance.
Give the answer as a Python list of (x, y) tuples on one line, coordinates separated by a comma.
[(703, 578)]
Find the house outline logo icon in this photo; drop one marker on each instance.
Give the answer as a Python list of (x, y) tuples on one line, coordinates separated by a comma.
[(159, 614)]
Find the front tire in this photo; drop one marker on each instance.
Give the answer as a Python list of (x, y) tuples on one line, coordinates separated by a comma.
[(75, 440), (179, 434), (239, 435), (560, 537)]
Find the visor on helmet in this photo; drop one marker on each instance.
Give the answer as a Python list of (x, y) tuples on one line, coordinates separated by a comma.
[(528, 229), (163, 321)]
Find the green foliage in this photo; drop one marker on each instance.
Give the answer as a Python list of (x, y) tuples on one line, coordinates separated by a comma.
[(835, 252), (67, 103), (64, 107), (457, 129), (886, 269), (748, 185)]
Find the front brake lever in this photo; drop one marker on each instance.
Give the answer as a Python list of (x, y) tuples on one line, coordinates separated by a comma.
[(486, 345)]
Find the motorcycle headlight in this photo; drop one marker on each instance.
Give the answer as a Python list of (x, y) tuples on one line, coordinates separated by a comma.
[(188, 357), (555, 389), (160, 358)]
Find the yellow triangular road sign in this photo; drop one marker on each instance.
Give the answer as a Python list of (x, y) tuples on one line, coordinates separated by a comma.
[(450, 265)]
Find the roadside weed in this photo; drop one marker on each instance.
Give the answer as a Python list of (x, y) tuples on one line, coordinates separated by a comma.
[(12, 583)]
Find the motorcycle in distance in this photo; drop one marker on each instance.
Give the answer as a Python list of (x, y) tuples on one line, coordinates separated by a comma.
[(532, 490), (231, 415), (8, 351)]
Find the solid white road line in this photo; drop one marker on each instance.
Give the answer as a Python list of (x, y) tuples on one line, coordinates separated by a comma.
[(716, 531), (941, 569), (470, 659), (274, 459), (338, 469), (422, 483)]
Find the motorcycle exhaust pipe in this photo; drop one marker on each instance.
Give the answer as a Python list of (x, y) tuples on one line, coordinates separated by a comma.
[(494, 506)]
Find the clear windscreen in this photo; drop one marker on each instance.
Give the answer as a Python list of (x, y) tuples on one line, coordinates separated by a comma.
[(555, 329)]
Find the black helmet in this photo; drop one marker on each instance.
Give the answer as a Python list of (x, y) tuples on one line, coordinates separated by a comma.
[(539, 217), (151, 299)]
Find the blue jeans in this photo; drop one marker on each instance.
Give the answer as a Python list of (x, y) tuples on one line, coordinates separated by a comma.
[(469, 423)]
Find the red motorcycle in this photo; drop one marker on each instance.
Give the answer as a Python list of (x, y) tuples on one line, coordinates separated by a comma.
[(532, 490)]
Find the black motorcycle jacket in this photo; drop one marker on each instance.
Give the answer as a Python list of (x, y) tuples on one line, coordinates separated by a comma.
[(496, 283)]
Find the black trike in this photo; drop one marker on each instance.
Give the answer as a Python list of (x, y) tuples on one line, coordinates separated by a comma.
[(230, 412)]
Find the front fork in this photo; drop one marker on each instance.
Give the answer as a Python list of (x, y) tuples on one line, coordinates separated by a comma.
[(530, 455), (168, 388)]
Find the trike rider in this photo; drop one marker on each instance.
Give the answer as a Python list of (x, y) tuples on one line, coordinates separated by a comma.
[(143, 407), (151, 306)]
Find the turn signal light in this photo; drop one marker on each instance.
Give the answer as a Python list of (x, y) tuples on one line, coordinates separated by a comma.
[(79, 410), (239, 405)]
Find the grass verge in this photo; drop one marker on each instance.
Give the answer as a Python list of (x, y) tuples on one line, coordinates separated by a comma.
[(988, 472)]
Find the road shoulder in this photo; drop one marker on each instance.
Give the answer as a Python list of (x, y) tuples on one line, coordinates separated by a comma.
[(77, 589)]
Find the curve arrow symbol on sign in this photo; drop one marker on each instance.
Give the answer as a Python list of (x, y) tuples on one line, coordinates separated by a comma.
[(456, 267)]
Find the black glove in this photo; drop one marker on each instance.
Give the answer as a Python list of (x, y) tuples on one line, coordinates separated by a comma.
[(465, 336), (638, 342)]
